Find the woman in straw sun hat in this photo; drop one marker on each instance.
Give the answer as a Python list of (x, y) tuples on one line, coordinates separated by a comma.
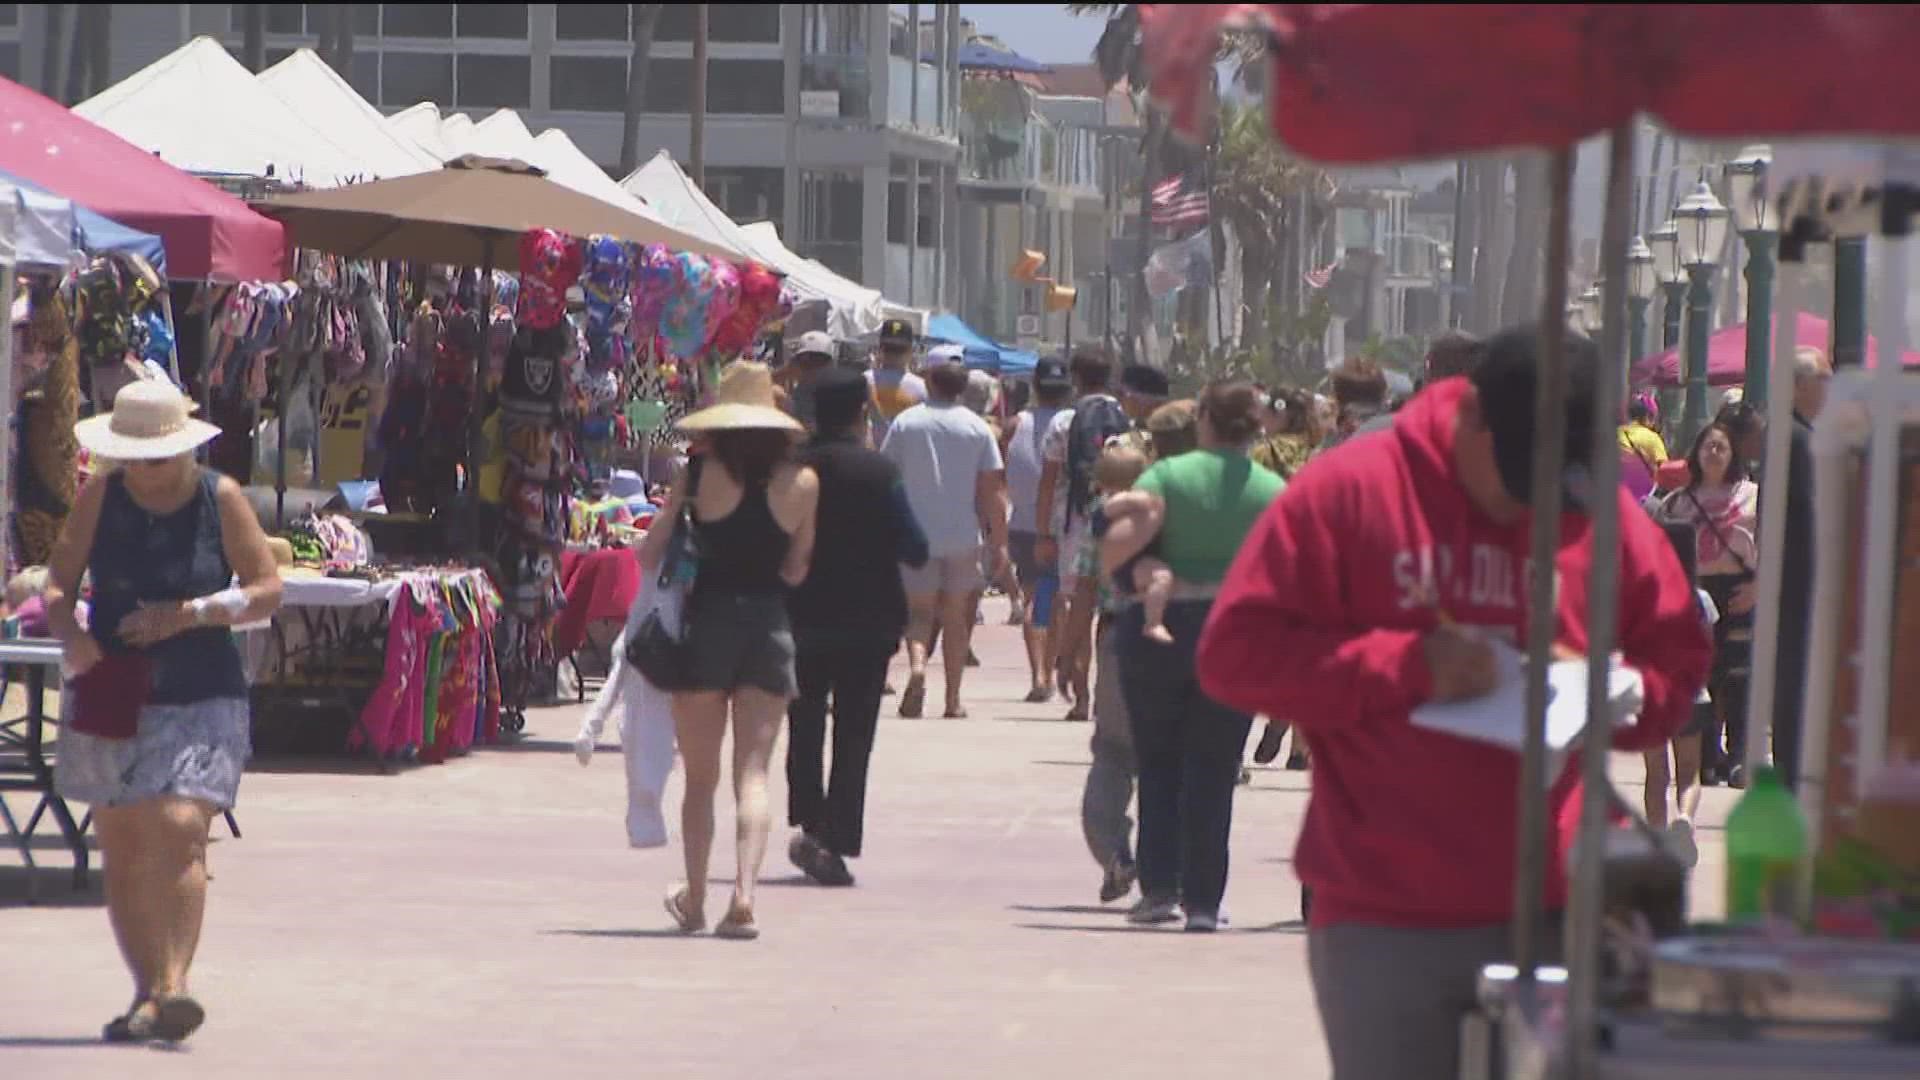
[(156, 714), (753, 519)]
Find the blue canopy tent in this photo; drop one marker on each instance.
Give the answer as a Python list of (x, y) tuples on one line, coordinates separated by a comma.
[(88, 232), (980, 351), (979, 55)]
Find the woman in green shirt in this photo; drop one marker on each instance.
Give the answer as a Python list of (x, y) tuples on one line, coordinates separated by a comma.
[(1198, 506)]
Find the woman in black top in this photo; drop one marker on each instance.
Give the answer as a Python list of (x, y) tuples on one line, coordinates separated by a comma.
[(848, 617), (753, 521)]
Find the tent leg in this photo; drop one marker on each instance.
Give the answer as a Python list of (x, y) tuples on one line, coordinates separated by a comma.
[(1549, 459), (1603, 591), (7, 408), (475, 416)]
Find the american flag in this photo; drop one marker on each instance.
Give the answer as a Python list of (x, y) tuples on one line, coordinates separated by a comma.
[(1319, 279), (1176, 201)]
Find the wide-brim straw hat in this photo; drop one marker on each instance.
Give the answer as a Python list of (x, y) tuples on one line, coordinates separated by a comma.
[(150, 421), (743, 401)]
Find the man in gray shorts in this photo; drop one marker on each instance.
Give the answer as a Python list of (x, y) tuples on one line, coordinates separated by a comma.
[(956, 484)]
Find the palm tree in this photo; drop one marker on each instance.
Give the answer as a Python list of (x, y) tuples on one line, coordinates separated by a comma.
[(53, 53), (1257, 186), (253, 30), (645, 18), (89, 67)]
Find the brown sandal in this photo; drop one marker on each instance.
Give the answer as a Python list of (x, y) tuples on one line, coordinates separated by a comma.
[(176, 1018), (676, 902)]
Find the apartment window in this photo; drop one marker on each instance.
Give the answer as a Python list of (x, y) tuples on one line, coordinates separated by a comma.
[(747, 194), (495, 82), (590, 22), (366, 19), (728, 23), (283, 18), (590, 84), (365, 77), (10, 58), (406, 78), (749, 87), (10, 16), (504, 21), (415, 20), (734, 87)]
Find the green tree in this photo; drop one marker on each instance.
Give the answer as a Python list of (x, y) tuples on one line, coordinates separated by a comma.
[(1257, 189)]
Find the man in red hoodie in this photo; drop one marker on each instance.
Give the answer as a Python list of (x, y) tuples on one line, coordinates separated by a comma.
[(1370, 587)]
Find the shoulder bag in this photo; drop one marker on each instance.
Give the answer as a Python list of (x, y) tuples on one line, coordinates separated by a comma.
[(658, 650)]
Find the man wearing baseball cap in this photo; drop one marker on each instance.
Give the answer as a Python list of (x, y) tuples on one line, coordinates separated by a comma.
[(895, 389), (1376, 584), (1052, 392), (812, 356)]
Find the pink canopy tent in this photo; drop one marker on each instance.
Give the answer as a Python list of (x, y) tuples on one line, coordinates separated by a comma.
[(1727, 355), (208, 233)]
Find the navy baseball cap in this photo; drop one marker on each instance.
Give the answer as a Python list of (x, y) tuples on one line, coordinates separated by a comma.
[(897, 332), (1051, 373)]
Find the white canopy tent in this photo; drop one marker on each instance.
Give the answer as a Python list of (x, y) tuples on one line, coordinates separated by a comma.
[(853, 310), (201, 111), (505, 135), (305, 83), (766, 237)]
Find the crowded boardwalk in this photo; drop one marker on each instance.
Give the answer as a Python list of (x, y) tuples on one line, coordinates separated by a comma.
[(508, 932)]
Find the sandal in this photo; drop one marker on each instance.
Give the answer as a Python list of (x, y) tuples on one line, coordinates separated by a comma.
[(913, 700), (177, 1017), (956, 712), (136, 1025), (676, 903), (738, 925), (1039, 695)]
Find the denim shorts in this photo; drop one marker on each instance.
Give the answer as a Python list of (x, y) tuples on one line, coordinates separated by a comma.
[(741, 640)]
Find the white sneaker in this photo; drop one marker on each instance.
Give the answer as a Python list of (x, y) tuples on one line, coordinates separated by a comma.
[(1152, 912), (1681, 842)]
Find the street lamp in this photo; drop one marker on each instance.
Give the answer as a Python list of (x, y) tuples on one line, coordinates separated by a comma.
[(1641, 282), (1703, 231), (1754, 216), (1592, 310)]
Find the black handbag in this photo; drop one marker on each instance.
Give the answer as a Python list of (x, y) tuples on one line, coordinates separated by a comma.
[(661, 655)]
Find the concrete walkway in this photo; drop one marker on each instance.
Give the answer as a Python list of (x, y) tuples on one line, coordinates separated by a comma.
[(486, 919)]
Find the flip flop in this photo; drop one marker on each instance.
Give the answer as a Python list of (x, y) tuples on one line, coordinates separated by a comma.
[(1039, 695), (956, 712), (136, 1025), (176, 1018), (735, 928), (676, 904), (913, 700)]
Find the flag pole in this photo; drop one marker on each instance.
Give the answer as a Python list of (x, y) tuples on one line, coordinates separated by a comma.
[(1213, 248)]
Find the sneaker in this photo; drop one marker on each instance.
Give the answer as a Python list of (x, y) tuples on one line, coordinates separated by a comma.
[(1118, 881), (831, 870), (803, 851), (1269, 747), (1681, 841), (1246, 777), (1737, 777), (1203, 922), (1154, 912)]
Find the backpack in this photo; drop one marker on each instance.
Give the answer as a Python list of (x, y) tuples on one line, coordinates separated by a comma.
[(1096, 419)]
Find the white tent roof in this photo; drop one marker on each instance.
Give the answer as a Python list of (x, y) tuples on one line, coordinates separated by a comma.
[(766, 238), (305, 83), (505, 135), (201, 111), (36, 229), (853, 309)]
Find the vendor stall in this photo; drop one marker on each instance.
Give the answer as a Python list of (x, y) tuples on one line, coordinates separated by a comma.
[(1824, 987)]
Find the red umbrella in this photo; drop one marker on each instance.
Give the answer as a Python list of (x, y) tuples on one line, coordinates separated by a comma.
[(208, 233), (1727, 355), (1359, 83)]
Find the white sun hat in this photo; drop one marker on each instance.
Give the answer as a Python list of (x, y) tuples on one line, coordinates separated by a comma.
[(744, 400), (150, 421)]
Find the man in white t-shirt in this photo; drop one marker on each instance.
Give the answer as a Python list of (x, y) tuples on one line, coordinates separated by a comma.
[(956, 484), (895, 389)]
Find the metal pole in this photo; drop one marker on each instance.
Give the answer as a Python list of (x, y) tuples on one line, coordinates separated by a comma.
[(1849, 302), (1549, 457), (697, 101), (1603, 601), (1699, 335), (1673, 297), (6, 437), (1760, 248), (1637, 326)]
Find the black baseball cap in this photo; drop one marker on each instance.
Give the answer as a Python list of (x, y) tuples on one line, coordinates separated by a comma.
[(1145, 380), (1051, 374), (839, 397), (1506, 377), (897, 332)]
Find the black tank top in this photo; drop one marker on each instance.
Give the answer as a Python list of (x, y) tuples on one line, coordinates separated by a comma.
[(742, 553)]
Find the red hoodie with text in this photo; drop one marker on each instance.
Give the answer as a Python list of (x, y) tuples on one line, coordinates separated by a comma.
[(1319, 623)]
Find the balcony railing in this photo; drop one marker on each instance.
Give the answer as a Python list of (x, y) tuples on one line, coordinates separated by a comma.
[(1067, 158), (824, 74)]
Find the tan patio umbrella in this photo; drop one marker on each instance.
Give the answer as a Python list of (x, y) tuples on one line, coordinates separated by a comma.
[(470, 213)]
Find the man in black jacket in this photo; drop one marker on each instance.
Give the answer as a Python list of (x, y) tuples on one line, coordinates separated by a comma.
[(1811, 373), (847, 620)]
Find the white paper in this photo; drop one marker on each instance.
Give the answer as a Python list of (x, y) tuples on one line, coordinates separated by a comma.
[(1499, 718)]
